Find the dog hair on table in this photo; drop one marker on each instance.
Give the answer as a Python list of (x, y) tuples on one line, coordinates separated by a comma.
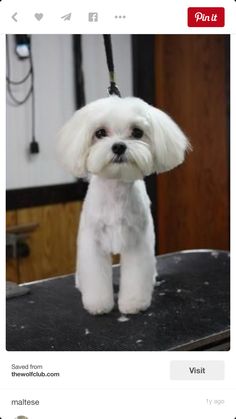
[(115, 143)]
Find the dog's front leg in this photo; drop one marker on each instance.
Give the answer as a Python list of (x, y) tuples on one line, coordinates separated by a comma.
[(94, 270), (138, 271)]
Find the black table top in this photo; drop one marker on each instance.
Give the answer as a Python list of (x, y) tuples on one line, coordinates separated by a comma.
[(190, 302)]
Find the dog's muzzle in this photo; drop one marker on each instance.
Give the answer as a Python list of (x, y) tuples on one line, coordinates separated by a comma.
[(119, 151), (118, 148)]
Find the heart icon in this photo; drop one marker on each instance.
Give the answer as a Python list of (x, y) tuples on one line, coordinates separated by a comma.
[(38, 16)]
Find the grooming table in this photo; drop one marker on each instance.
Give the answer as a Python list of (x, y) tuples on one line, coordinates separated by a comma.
[(189, 311)]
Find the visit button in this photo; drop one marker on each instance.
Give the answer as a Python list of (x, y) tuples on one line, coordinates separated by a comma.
[(197, 370), (206, 17)]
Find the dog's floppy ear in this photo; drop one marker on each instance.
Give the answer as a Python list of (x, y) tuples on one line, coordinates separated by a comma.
[(169, 142), (74, 141)]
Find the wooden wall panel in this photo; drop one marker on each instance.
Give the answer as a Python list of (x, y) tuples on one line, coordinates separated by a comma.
[(52, 244), (11, 265), (11, 218), (191, 85)]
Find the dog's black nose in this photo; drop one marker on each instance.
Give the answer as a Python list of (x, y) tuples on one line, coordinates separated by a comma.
[(118, 148)]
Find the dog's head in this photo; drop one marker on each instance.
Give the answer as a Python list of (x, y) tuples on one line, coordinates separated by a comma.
[(121, 138)]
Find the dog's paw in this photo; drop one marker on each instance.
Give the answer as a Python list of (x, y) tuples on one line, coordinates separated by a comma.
[(133, 305), (101, 306), (77, 283)]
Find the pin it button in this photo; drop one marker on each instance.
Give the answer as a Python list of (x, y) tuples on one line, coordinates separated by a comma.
[(206, 17)]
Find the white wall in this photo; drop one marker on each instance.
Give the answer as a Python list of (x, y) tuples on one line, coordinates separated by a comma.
[(54, 94), (54, 90)]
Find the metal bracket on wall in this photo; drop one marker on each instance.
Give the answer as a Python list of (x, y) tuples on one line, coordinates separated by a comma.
[(15, 240)]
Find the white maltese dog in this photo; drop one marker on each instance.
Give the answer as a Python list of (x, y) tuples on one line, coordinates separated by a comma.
[(116, 142)]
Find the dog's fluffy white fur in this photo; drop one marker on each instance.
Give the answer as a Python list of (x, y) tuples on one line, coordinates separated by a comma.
[(116, 216)]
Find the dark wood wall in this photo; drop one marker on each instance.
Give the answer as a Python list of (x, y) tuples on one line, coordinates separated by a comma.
[(192, 85)]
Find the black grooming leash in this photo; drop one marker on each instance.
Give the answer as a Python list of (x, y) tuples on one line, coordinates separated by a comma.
[(112, 89)]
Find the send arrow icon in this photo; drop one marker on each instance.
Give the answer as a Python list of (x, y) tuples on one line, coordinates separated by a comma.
[(66, 17)]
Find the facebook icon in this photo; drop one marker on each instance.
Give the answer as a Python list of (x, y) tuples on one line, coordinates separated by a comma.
[(93, 17)]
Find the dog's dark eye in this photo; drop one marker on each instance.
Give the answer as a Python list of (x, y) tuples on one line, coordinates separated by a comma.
[(137, 133), (100, 133)]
